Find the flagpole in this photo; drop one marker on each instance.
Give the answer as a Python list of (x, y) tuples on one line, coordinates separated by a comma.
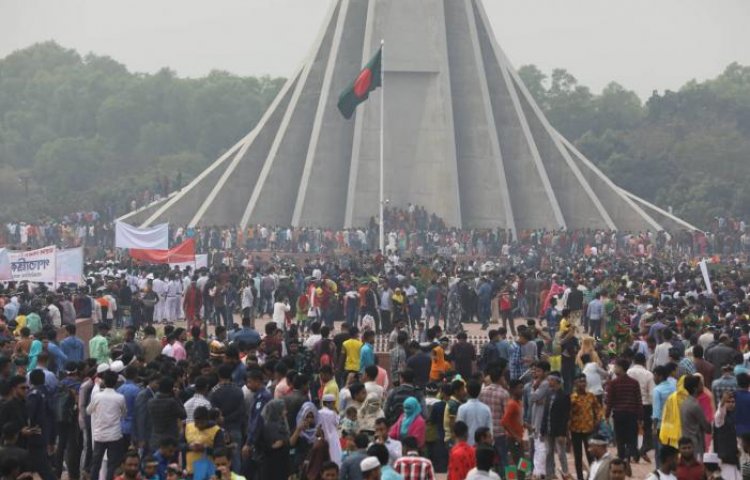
[(382, 116)]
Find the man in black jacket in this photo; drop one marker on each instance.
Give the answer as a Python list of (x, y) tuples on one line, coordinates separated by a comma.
[(555, 424), (165, 411), (228, 397)]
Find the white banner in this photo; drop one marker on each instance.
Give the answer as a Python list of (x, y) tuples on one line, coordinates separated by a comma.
[(5, 271), (34, 265), (706, 279), (150, 238), (70, 265), (201, 261)]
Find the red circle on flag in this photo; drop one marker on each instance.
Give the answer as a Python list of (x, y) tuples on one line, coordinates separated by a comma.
[(362, 83)]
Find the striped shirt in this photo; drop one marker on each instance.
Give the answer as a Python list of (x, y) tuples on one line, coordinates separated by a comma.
[(414, 467), (624, 395)]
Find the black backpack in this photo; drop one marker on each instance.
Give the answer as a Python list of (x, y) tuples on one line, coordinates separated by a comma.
[(65, 404)]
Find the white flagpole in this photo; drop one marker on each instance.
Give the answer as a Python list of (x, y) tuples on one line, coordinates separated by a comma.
[(382, 116)]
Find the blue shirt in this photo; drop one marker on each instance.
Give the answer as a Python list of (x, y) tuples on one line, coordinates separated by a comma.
[(59, 356), (129, 390), (239, 374), (474, 414), (366, 357), (73, 348), (660, 395), (11, 311), (742, 412), (387, 473), (260, 399), (595, 310)]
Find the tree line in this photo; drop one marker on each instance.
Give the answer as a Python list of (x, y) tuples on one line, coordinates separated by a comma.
[(83, 133)]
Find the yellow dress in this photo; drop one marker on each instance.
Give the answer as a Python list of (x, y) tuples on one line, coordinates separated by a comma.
[(204, 437)]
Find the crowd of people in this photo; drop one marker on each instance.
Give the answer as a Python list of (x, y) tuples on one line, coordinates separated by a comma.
[(359, 365), (411, 230)]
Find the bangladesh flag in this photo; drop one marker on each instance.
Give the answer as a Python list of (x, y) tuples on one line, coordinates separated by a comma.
[(511, 473), (368, 80), (524, 465)]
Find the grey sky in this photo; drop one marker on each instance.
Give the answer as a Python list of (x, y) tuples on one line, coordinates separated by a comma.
[(643, 44)]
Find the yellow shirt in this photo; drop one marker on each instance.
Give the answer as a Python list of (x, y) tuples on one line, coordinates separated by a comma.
[(20, 323), (204, 437), (333, 388), (352, 348)]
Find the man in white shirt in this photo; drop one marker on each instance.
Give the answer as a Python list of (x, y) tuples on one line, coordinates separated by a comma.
[(371, 386), (394, 447), (279, 313), (661, 352), (174, 297), (646, 381), (107, 409), (53, 312)]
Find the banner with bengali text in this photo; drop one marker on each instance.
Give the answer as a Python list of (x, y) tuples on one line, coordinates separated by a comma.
[(33, 265)]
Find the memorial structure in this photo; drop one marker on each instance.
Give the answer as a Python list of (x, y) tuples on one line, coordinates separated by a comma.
[(463, 138)]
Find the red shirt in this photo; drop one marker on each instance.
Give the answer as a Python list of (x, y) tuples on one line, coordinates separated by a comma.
[(462, 459), (513, 419), (690, 471)]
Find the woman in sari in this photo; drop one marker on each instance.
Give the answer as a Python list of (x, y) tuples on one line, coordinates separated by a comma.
[(273, 442), (410, 423)]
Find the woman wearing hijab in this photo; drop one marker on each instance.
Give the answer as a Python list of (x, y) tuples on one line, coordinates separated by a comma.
[(439, 365), (410, 423), (273, 442), (329, 423), (304, 435), (370, 411)]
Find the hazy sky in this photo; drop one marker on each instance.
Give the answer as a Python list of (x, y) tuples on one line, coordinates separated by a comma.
[(643, 44)]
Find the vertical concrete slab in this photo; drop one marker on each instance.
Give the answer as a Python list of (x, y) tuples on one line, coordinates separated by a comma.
[(420, 155)]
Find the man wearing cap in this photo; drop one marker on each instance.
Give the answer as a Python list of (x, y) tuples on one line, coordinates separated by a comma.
[(599, 468), (370, 467)]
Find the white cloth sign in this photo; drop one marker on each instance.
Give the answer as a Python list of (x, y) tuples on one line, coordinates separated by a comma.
[(34, 265), (201, 261), (5, 271), (70, 265), (706, 279), (149, 238)]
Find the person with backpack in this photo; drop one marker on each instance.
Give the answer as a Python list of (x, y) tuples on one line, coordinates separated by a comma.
[(38, 408), (65, 408), (394, 405)]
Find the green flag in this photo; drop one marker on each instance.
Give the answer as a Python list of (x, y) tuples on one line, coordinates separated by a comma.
[(368, 80)]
